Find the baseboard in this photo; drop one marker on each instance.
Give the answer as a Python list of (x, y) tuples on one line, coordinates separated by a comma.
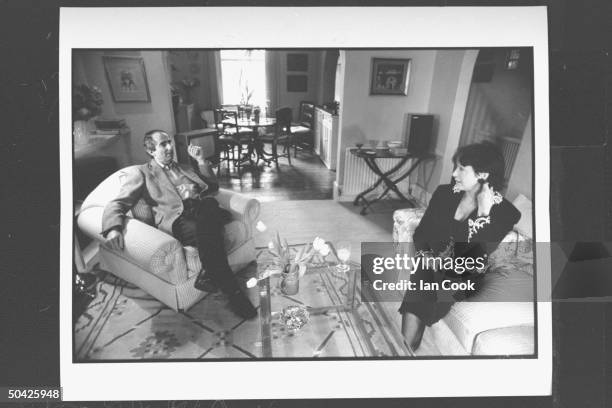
[(339, 196), (418, 193)]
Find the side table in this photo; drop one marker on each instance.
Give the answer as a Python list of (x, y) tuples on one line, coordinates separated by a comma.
[(369, 157)]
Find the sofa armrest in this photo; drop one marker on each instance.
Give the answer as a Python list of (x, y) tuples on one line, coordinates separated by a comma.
[(514, 340), (243, 208), (146, 246)]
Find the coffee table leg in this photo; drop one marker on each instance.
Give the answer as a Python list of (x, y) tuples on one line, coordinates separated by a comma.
[(352, 289), (265, 314)]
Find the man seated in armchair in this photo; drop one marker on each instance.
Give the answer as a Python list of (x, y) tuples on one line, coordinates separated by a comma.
[(184, 205)]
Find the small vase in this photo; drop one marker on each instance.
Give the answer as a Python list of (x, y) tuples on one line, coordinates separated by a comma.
[(290, 280), (80, 132)]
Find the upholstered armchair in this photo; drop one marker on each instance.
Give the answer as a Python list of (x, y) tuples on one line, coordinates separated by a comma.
[(156, 261)]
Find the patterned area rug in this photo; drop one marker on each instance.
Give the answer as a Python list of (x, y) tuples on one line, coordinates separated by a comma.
[(125, 323)]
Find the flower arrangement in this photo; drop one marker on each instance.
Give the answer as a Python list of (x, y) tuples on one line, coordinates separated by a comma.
[(188, 84), (245, 93), (290, 260), (86, 102)]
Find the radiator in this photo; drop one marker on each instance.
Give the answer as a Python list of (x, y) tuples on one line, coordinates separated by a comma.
[(358, 176), (510, 148)]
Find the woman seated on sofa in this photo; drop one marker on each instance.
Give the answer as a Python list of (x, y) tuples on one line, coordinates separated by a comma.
[(467, 218)]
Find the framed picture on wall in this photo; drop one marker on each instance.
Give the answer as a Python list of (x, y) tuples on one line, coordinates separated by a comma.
[(390, 76), (297, 62), (127, 79)]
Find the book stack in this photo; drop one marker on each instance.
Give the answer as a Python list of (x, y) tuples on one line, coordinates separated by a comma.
[(110, 124), (107, 131)]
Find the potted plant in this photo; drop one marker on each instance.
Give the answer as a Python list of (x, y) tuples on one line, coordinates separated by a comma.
[(292, 263), (245, 96), (188, 84), (86, 104)]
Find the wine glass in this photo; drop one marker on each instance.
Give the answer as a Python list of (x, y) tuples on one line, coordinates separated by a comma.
[(343, 251)]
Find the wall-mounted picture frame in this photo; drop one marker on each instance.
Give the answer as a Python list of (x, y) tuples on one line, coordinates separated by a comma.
[(390, 76), (297, 83), (127, 79), (297, 62)]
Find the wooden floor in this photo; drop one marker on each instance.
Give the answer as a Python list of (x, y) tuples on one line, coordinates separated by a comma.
[(306, 178)]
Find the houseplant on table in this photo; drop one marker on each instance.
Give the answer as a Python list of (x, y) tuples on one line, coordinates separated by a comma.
[(86, 104), (188, 84), (291, 262)]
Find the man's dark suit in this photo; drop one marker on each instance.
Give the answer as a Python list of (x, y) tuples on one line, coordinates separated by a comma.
[(194, 218), (199, 225), (152, 184)]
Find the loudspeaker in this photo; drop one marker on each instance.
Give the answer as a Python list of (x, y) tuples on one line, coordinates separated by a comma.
[(418, 135)]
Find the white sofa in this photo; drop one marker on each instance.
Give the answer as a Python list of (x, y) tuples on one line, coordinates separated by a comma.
[(156, 261), (499, 318)]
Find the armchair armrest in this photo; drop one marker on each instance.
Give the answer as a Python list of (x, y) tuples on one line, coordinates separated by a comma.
[(243, 208), (149, 248)]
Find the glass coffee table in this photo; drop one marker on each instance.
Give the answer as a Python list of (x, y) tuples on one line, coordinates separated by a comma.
[(339, 323)]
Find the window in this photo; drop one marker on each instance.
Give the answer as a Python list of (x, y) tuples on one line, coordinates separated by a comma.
[(243, 77)]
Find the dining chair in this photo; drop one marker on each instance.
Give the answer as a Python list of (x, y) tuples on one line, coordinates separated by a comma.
[(226, 144), (303, 130), (280, 136), (233, 137)]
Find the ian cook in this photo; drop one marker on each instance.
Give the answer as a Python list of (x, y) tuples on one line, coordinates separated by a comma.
[(403, 285)]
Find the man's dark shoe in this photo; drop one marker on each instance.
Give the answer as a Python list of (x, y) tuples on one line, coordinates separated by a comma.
[(241, 305), (205, 284)]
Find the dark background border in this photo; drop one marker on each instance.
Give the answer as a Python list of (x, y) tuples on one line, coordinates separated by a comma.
[(581, 197)]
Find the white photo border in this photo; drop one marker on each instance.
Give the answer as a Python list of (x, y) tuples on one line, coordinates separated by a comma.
[(329, 27)]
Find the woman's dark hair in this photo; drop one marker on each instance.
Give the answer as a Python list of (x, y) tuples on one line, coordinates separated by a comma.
[(484, 157)]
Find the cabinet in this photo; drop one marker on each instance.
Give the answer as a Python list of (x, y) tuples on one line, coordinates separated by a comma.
[(326, 137), (115, 143)]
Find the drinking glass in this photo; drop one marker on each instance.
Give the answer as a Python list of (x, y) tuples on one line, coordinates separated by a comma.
[(343, 251)]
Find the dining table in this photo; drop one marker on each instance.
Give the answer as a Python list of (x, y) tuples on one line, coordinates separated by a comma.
[(256, 146)]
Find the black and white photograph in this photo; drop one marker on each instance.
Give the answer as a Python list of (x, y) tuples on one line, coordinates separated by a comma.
[(253, 248), (228, 218), (210, 207)]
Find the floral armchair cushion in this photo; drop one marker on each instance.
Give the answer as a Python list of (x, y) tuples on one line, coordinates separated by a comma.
[(515, 252)]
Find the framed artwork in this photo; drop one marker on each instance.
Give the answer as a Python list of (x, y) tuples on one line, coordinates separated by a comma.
[(127, 79), (297, 83), (297, 62), (390, 76)]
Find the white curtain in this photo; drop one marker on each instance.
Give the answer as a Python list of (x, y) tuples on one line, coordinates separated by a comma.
[(272, 85)]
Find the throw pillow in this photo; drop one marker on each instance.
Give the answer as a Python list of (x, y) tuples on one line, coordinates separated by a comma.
[(525, 224)]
